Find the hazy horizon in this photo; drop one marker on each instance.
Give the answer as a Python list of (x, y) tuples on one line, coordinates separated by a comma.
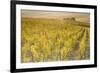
[(83, 17)]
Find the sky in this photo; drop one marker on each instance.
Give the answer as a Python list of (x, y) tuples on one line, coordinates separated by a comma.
[(83, 17)]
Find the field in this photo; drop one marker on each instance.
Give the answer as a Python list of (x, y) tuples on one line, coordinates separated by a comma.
[(44, 40)]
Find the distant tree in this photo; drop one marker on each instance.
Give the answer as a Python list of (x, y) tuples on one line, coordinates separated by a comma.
[(73, 18)]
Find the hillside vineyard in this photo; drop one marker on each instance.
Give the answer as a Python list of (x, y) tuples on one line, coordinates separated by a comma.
[(46, 40)]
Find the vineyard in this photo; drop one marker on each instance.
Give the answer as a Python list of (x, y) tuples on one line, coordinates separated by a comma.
[(45, 40)]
